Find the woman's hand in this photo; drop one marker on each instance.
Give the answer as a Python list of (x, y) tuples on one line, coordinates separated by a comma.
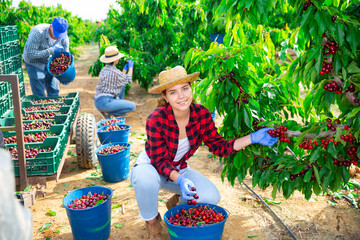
[(131, 64), (263, 137), (186, 187)]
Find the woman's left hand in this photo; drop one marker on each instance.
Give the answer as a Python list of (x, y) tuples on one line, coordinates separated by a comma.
[(263, 137)]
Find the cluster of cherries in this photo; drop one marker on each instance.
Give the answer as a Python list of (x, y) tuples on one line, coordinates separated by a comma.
[(30, 152), (112, 149), (34, 116), (60, 64), (255, 125), (196, 216), (195, 196), (43, 108), (38, 125), (308, 144), (265, 164), (88, 201), (346, 163), (110, 122), (303, 172), (330, 126), (280, 133), (36, 137), (326, 142), (350, 88), (113, 128), (307, 4), (332, 46), (242, 95), (41, 101), (333, 87), (352, 152)]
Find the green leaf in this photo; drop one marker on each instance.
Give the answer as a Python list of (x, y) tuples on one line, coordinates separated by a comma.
[(27, 188), (65, 226), (65, 184), (273, 202), (352, 39), (253, 236), (247, 117), (56, 231), (45, 226), (340, 34), (57, 191), (116, 206), (345, 174), (196, 155), (98, 202), (331, 149), (353, 68), (315, 155), (118, 225), (308, 175), (72, 169), (52, 213)]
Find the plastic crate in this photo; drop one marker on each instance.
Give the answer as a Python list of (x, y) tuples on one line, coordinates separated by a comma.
[(14, 48), (45, 163), (57, 129), (8, 33), (16, 62), (67, 102), (6, 104), (75, 96)]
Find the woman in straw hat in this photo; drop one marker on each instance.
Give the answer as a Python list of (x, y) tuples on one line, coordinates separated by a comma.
[(174, 132), (110, 91)]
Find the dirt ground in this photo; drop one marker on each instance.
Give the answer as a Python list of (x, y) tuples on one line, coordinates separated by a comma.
[(314, 219)]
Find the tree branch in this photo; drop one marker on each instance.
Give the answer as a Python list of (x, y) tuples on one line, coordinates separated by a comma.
[(324, 134), (349, 96)]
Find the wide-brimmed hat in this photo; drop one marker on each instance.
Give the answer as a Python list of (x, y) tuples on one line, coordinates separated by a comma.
[(60, 26), (172, 77), (111, 55)]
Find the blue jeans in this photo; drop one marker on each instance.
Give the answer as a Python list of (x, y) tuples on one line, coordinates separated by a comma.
[(41, 80), (114, 106), (147, 182)]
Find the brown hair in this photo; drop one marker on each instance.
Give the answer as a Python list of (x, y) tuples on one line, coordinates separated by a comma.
[(161, 102)]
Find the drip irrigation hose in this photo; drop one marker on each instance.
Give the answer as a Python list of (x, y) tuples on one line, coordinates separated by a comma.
[(293, 236)]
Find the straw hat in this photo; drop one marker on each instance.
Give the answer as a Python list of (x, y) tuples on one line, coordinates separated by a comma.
[(111, 55), (172, 77)]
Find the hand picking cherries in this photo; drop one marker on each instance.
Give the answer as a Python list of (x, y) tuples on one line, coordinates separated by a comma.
[(196, 216), (193, 201), (112, 149), (280, 133), (88, 201), (110, 121), (113, 128), (60, 64)]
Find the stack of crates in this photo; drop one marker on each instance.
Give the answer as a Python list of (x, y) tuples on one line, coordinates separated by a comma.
[(50, 116)]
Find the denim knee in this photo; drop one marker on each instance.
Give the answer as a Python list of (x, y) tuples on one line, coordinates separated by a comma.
[(145, 177)]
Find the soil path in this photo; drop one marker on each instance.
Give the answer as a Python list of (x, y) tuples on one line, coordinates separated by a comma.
[(249, 218)]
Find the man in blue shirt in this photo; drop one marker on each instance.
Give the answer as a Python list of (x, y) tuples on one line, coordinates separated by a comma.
[(44, 40)]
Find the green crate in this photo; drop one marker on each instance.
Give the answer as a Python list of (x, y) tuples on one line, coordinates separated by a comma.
[(59, 119), (8, 33), (16, 62), (6, 104), (74, 95), (14, 48), (67, 102), (58, 129), (45, 163)]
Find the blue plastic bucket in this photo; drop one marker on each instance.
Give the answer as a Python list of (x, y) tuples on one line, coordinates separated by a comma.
[(204, 232), (115, 167), (114, 136), (217, 37), (69, 75), (120, 119), (91, 223)]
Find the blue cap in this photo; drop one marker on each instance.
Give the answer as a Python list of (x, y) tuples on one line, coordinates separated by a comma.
[(60, 26)]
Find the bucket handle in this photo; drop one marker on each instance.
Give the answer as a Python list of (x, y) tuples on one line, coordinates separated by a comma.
[(228, 212)]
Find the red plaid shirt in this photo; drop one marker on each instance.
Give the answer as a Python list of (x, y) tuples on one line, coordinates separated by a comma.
[(163, 137)]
